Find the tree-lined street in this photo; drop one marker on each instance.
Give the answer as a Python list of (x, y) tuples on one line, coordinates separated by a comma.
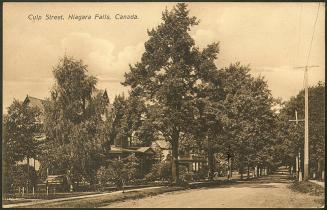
[(268, 192), (273, 191), (186, 122)]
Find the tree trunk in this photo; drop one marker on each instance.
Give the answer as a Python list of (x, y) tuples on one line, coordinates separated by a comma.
[(28, 174), (174, 165), (241, 169), (318, 170), (210, 164), (210, 160), (229, 168), (248, 172), (93, 181)]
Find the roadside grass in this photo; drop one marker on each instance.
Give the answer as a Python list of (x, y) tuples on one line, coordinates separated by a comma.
[(308, 187), (6, 202), (104, 200)]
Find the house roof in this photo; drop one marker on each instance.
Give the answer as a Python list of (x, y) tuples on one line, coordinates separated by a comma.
[(144, 150), (103, 93), (114, 149), (34, 102), (55, 178)]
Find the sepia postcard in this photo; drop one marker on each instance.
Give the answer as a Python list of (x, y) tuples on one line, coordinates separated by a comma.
[(163, 105)]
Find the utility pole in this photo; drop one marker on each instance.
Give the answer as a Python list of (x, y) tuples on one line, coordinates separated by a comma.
[(298, 157), (306, 122), (300, 171), (306, 126)]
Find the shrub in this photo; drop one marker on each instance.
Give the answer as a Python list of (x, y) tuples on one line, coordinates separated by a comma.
[(119, 171), (159, 171), (20, 176)]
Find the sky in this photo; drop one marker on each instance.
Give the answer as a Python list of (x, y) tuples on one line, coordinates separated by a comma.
[(272, 38)]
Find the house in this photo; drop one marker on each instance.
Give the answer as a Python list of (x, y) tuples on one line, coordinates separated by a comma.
[(144, 154), (162, 149), (193, 159), (41, 138)]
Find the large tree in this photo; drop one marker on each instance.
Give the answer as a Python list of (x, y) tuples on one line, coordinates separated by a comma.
[(170, 74), (291, 135), (21, 126), (131, 124), (247, 115), (76, 123)]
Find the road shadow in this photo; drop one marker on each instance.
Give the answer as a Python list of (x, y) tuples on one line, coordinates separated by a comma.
[(262, 182)]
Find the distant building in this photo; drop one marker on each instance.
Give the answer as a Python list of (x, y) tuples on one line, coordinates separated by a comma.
[(35, 102), (41, 138), (144, 154), (162, 149), (193, 159)]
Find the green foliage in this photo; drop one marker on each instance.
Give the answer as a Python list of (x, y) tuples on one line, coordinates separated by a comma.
[(172, 74), (76, 124), (291, 135), (20, 127), (131, 125), (120, 171), (160, 171), (20, 176), (247, 115)]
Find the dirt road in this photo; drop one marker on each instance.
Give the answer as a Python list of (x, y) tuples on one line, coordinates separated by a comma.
[(268, 192)]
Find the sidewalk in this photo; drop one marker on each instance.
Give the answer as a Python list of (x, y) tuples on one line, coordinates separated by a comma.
[(222, 180), (30, 203), (321, 183)]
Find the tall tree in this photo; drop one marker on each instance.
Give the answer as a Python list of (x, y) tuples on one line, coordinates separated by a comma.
[(131, 125), (247, 114), (76, 123), (21, 126), (170, 73), (118, 135), (291, 135)]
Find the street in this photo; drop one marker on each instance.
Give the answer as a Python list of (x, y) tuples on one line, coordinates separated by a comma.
[(268, 192)]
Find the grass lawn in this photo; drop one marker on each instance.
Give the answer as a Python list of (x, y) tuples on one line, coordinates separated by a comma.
[(104, 200), (308, 187), (6, 202), (49, 196)]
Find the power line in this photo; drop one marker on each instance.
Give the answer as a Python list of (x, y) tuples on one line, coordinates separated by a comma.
[(300, 30), (314, 28)]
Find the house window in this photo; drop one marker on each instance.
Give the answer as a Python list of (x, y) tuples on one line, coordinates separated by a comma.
[(195, 166)]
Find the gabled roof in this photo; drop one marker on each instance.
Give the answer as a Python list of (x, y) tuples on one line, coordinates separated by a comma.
[(144, 150), (114, 149), (103, 93), (34, 102)]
